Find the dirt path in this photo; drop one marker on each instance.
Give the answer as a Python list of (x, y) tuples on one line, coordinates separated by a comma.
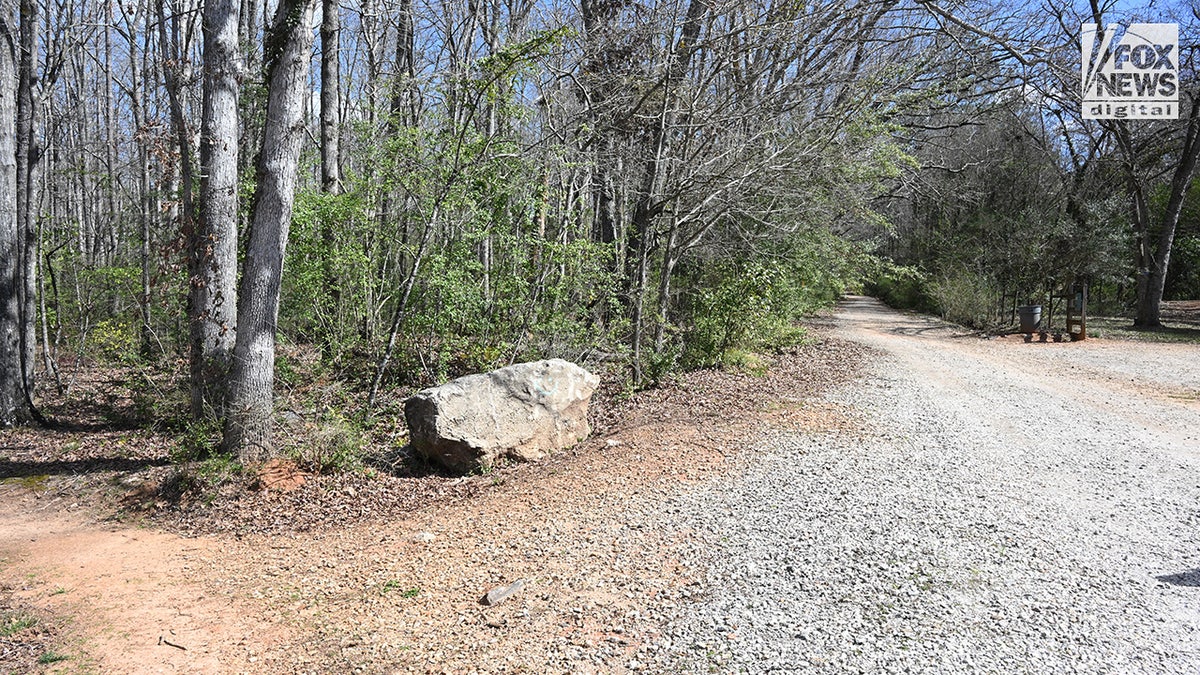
[(603, 539), (1152, 386), (128, 592), (402, 594)]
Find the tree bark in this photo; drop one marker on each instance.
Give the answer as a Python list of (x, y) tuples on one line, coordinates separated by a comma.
[(248, 421), (14, 408), (147, 215), (331, 27), (28, 160), (1150, 288), (212, 248), (404, 103), (169, 46), (331, 167), (106, 237)]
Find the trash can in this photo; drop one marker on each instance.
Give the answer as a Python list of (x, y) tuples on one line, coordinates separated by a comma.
[(1031, 318)]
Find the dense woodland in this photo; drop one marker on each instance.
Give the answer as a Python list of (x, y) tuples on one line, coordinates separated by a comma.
[(417, 189)]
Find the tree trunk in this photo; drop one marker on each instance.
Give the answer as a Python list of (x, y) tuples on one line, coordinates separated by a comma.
[(212, 248), (139, 77), (169, 46), (402, 113), (664, 290), (649, 205), (1152, 283), (28, 160), (331, 27), (113, 217), (404, 103), (249, 416), (331, 169), (248, 31), (254, 20), (14, 408)]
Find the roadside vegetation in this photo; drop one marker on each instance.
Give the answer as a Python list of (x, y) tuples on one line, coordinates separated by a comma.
[(995, 220), (647, 189)]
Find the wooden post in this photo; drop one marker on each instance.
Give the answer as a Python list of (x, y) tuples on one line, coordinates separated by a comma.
[(1083, 301)]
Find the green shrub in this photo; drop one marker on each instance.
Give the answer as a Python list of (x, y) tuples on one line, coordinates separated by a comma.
[(201, 479), (114, 338), (965, 298), (726, 311), (743, 307), (196, 441), (336, 445), (1183, 275), (740, 359), (538, 301), (957, 295), (736, 305), (902, 287)]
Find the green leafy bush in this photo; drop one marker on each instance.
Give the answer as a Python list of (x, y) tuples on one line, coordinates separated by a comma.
[(965, 298), (197, 440), (1183, 276), (956, 294), (755, 303), (901, 286), (537, 301), (335, 445)]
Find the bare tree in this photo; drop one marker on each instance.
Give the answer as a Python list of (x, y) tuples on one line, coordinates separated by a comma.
[(248, 421), (28, 162), (331, 99), (212, 246), (14, 404)]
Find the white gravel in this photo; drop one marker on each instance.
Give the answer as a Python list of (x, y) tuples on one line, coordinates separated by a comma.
[(1007, 509)]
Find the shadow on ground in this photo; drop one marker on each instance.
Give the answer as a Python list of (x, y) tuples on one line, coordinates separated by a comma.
[(17, 469), (1190, 578)]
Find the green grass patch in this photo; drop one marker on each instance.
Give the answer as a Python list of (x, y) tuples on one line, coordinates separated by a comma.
[(744, 361), (1122, 328), (51, 657), (15, 624), (395, 585), (36, 483)]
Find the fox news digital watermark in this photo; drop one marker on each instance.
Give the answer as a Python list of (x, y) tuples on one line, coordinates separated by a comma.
[(1130, 73)]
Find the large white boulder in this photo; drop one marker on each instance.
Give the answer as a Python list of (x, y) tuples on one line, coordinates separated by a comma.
[(521, 412)]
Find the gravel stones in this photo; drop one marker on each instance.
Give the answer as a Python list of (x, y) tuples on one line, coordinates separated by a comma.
[(989, 519)]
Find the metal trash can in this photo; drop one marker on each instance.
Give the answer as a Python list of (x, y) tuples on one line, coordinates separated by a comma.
[(1031, 318)]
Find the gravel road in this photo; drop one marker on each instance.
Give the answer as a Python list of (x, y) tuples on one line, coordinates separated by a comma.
[(1003, 508)]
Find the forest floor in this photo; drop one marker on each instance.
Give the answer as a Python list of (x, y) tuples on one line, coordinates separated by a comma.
[(1180, 323), (379, 571)]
